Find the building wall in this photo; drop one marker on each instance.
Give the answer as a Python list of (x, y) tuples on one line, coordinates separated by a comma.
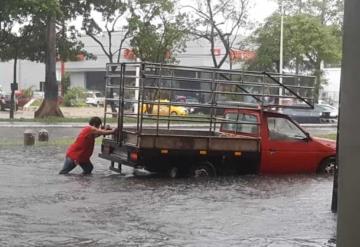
[(28, 74), (77, 79)]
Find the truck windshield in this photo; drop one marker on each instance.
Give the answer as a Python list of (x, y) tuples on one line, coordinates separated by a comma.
[(241, 122), (283, 129)]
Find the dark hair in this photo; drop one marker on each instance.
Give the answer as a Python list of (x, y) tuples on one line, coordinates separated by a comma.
[(95, 121)]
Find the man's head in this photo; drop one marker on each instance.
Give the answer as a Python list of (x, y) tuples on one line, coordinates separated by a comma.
[(95, 121)]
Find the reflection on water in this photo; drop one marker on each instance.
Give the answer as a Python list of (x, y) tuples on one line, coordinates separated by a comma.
[(38, 207)]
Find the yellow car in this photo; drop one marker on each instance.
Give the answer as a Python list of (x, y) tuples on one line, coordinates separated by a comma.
[(165, 109)]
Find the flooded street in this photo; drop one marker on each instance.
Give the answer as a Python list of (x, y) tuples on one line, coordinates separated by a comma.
[(38, 207)]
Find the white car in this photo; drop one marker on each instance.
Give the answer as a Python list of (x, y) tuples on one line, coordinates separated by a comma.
[(95, 98)]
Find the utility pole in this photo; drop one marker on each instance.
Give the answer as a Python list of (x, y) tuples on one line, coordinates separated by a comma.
[(281, 50), (348, 220)]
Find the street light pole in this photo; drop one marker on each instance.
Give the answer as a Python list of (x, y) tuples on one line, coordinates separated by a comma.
[(281, 39), (281, 50)]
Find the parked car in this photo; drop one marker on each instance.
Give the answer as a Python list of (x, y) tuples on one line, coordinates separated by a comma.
[(188, 100), (165, 109), (5, 101), (333, 111), (320, 114), (95, 98)]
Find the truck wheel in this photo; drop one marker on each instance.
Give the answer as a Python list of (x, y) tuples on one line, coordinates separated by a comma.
[(205, 169), (327, 166), (173, 113)]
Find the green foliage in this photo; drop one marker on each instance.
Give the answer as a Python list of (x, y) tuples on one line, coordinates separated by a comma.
[(75, 97), (307, 42), (23, 24), (37, 102), (158, 35), (329, 12)]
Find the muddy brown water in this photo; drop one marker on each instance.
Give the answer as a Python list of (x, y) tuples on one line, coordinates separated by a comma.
[(38, 207)]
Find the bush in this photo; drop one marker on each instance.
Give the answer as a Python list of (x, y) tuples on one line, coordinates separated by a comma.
[(37, 102), (28, 92), (75, 97)]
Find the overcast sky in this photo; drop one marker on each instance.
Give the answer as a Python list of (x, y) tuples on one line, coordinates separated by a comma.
[(258, 11), (262, 9)]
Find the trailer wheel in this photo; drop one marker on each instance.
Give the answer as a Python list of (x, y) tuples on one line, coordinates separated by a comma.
[(327, 166), (205, 169)]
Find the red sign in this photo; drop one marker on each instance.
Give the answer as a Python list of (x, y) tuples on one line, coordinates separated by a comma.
[(217, 51), (239, 55), (129, 54)]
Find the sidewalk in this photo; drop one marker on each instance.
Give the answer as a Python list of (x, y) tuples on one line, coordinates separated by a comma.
[(69, 112)]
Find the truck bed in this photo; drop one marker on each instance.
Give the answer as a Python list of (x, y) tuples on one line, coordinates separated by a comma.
[(189, 140)]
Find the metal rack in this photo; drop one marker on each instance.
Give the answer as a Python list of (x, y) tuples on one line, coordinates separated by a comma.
[(134, 90)]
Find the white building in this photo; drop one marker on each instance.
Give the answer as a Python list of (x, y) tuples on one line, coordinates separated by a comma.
[(28, 74), (90, 74)]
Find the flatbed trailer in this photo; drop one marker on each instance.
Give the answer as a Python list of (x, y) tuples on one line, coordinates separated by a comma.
[(158, 132), (179, 150)]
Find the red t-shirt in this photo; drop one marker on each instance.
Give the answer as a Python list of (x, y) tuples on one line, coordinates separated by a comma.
[(83, 147)]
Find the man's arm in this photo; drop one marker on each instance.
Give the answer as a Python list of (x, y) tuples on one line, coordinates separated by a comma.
[(99, 132)]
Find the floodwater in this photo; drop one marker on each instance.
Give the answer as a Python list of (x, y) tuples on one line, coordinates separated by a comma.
[(38, 207)]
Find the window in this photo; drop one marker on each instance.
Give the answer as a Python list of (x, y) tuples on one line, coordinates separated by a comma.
[(284, 129), (241, 122)]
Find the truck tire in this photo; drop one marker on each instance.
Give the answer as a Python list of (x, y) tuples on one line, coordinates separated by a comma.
[(327, 166), (203, 169)]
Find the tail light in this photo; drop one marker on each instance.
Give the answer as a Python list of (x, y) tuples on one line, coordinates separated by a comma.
[(134, 156)]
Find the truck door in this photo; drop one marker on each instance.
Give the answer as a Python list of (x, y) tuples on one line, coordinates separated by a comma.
[(286, 148)]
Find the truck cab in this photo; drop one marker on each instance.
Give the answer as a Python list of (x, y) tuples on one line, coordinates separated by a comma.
[(285, 146)]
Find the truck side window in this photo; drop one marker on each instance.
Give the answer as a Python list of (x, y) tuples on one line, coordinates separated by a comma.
[(243, 123), (283, 129)]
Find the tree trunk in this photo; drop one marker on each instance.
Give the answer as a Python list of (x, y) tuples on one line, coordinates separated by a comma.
[(49, 106), (13, 88)]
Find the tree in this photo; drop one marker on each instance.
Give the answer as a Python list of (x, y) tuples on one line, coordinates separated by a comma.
[(62, 45), (115, 14), (159, 33), (218, 21), (330, 12), (307, 43), (31, 18)]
